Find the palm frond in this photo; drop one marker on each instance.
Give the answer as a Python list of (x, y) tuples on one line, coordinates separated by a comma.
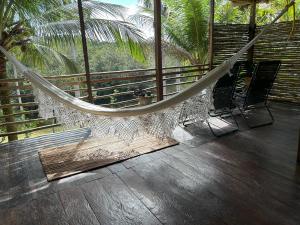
[(141, 19), (178, 52), (97, 30), (186, 26), (92, 9), (174, 37), (25, 9), (38, 55), (146, 3), (55, 23)]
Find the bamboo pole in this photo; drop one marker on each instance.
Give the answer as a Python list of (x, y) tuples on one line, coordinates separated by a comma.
[(158, 51), (85, 52), (211, 34)]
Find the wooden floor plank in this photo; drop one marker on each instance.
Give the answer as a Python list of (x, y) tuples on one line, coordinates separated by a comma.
[(202, 187), (115, 168), (283, 189), (158, 204), (165, 192), (21, 213), (137, 160), (230, 200), (4, 177), (18, 214), (247, 178), (113, 203), (270, 156), (23, 157), (5, 216), (252, 195), (49, 210), (77, 208), (274, 147), (18, 173), (46, 210)]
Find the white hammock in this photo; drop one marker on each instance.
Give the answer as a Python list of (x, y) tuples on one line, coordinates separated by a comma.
[(157, 119)]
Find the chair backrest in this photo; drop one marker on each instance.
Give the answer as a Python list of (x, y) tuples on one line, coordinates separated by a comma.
[(262, 82), (224, 89)]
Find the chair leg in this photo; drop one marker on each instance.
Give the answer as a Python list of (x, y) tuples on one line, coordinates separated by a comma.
[(259, 125), (212, 131), (222, 134), (236, 123), (270, 113), (243, 115)]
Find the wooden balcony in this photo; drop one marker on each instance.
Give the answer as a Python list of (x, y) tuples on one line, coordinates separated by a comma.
[(249, 177), (109, 89)]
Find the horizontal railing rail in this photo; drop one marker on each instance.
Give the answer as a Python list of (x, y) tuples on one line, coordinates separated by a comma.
[(109, 89)]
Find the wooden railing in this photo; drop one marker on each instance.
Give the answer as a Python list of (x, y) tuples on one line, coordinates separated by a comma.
[(110, 89)]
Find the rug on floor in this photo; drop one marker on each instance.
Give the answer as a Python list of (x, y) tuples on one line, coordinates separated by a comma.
[(70, 159)]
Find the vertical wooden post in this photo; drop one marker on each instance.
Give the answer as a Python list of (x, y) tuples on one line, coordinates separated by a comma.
[(85, 52), (5, 100), (298, 157), (211, 35), (158, 51), (252, 28)]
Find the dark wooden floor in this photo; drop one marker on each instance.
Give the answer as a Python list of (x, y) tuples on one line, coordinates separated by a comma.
[(249, 177)]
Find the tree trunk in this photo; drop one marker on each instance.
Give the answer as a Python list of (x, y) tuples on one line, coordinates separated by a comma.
[(5, 100)]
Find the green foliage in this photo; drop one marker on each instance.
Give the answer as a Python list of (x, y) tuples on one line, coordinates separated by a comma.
[(46, 34), (113, 99), (265, 13), (39, 30), (226, 13), (186, 26), (110, 57)]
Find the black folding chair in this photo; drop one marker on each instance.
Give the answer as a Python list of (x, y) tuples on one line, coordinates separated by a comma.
[(245, 74), (223, 100), (257, 94)]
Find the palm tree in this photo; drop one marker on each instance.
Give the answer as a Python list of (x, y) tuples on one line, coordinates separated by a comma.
[(36, 30), (226, 12), (185, 23), (184, 26)]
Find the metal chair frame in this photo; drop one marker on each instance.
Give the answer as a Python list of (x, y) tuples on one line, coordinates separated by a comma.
[(227, 110), (248, 106)]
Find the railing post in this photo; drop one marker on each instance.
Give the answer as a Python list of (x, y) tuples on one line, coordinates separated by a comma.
[(211, 34), (298, 156), (158, 52), (85, 52), (5, 100)]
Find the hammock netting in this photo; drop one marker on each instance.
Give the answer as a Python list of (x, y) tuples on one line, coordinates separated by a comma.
[(160, 123), (158, 119)]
